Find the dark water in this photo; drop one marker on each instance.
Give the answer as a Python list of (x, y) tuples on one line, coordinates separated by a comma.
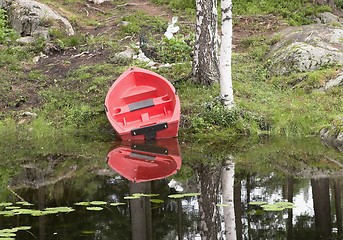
[(303, 172)]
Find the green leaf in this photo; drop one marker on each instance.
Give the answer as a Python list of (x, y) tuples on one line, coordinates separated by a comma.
[(7, 234), (82, 203), (132, 197), (94, 208), (117, 204), (191, 194), (151, 195), (22, 228), (23, 211), (60, 209), (98, 202), (4, 204), (222, 205), (176, 196), (258, 203), (272, 208), (181, 195), (154, 200), (24, 203), (12, 207)]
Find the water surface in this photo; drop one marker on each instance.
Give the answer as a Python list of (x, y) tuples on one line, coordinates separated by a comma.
[(303, 172)]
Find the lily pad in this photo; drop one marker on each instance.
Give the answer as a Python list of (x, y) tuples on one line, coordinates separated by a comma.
[(191, 194), (151, 195), (158, 201), (60, 209), (24, 203), (257, 203), (94, 208), (12, 207), (117, 204), (222, 205), (23, 211), (22, 228), (181, 195), (176, 196), (7, 234), (82, 203), (132, 197), (4, 204), (98, 202)]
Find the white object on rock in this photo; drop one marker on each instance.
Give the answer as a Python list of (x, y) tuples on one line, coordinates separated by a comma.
[(172, 28)]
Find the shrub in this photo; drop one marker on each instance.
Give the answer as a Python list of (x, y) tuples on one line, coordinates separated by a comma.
[(6, 34)]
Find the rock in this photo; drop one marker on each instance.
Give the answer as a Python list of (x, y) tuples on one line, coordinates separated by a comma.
[(29, 18), (327, 17), (26, 40), (306, 48), (337, 81), (97, 1), (42, 32), (128, 53), (29, 114), (333, 137)]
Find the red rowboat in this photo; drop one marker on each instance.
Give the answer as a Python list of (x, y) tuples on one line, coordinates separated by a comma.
[(143, 105), (146, 161)]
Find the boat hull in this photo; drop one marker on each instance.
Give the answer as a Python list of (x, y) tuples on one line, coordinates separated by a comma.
[(143, 105), (141, 161)]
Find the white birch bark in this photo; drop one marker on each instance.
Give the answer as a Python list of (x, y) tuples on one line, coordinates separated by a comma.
[(226, 92), (227, 184)]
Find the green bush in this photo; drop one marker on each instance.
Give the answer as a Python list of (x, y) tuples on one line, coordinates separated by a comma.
[(175, 49), (177, 4), (6, 34)]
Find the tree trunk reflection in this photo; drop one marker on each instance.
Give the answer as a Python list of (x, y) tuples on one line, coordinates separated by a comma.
[(209, 178), (140, 209), (322, 209)]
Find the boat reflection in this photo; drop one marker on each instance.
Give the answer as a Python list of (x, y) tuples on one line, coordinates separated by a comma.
[(141, 161)]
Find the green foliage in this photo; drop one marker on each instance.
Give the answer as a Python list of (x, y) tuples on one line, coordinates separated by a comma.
[(140, 22), (175, 49), (6, 34), (177, 4), (339, 3), (296, 12)]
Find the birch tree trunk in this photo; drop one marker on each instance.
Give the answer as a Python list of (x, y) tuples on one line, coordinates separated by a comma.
[(228, 173), (226, 92), (205, 63)]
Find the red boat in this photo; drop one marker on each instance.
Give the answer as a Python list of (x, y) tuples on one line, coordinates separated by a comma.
[(143, 105), (146, 161)]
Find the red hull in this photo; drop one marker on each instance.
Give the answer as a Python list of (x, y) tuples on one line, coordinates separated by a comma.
[(143, 105), (141, 161)]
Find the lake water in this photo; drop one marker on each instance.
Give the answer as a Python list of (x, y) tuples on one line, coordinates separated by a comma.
[(81, 194)]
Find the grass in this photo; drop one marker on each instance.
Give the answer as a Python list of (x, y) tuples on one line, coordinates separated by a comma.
[(280, 106)]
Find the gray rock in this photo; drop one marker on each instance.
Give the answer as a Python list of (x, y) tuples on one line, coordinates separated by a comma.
[(306, 48), (337, 81), (97, 1), (128, 53), (26, 40), (327, 17), (27, 17)]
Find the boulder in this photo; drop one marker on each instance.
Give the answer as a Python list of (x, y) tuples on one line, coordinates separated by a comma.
[(306, 48), (333, 136), (327, 17), (31, 18)]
